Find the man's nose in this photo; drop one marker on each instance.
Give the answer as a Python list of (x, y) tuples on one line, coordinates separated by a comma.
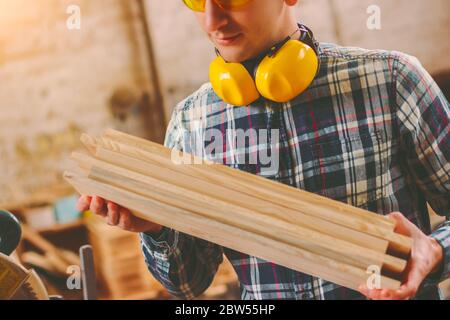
[(215, 17)]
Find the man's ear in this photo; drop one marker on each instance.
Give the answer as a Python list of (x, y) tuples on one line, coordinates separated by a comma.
[(291, 2)]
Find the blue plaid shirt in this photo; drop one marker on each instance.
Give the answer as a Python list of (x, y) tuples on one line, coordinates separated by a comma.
[(372, 130)]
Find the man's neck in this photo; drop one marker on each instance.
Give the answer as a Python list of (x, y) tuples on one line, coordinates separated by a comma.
[(250, 65)]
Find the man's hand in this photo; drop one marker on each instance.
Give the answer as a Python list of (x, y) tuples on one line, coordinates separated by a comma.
[(426, 257), (116, 215)]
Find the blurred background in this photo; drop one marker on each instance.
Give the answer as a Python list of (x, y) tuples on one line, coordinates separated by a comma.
[(73, 66)]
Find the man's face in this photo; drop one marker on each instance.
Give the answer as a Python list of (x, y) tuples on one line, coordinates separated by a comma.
[(243, 34)]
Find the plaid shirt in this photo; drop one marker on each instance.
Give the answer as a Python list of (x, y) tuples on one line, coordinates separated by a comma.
[(372, 130)]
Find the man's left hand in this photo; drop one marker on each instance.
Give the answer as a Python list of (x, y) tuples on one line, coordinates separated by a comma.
[(426, 257)]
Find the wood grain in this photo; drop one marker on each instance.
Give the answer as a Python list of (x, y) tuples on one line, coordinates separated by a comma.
[(229, 236)]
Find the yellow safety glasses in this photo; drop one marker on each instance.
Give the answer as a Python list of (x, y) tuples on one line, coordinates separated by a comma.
[(199, 5)]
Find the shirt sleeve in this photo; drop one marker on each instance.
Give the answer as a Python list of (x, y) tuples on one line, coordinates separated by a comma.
[(423, 118), (183, 264)]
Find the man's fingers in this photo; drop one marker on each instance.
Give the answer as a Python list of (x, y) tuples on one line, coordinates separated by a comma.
[(373, 294), (404, 293), (413, 281), (408, 290), (98, 206), (403, 225), (386, 294), (363, 290), (124, 219), (83, 203), (380, 294), (113, 213)]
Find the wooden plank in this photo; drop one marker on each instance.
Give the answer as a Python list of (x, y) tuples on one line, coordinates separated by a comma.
[(340, 207), (225, 212), (263, 189), (256, 186), (229, 236), (238, 198), (246, 182)]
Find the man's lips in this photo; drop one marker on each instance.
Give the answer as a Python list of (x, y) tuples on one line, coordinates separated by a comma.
[(227, 40)]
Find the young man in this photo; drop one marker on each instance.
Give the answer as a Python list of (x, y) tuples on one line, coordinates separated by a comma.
[(372, 130)]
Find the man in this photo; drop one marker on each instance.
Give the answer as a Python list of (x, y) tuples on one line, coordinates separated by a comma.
[(371, 130)]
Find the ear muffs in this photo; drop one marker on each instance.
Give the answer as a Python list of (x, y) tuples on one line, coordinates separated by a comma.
[(232, 82), (288, 73), (282, 75)]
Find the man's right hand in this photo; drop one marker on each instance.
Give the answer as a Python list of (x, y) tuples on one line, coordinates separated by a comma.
[(116, 215)]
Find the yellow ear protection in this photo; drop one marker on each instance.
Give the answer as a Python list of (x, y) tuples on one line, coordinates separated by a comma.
[(282, 74)]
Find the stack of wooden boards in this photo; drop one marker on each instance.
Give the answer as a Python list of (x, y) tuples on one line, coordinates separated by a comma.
[(241, 211)]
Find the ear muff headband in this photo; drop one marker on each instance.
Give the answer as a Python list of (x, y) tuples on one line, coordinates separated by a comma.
[(285, 72)]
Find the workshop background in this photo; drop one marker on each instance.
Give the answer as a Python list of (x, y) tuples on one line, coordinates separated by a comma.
[(126, 67)]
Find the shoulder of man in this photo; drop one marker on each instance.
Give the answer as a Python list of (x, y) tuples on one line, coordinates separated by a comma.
[(331, 56), (185, 113), (205, 95), (389, 66), (331, 50)]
